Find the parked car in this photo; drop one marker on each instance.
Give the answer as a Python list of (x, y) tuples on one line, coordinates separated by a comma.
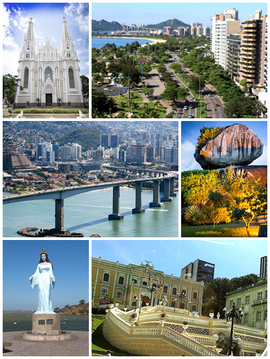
[(216, 104), (192, 98), (190, 115), (185, 108)]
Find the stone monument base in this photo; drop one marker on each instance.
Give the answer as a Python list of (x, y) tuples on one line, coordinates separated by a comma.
[(46, 324), (42, 337)]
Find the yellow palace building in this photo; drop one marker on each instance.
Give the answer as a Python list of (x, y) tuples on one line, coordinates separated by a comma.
[(142, 285)]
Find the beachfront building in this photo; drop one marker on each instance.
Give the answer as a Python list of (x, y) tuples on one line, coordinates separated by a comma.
[(48, 77), (141, 285), (222, 26)]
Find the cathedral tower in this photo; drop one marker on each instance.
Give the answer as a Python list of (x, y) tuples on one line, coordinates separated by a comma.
[(49, 78)]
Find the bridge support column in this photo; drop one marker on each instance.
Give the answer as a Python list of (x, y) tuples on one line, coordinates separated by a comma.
[(166, 197), (156, 190), (172, 193), (116, 204), (138, 199), (59, 215)]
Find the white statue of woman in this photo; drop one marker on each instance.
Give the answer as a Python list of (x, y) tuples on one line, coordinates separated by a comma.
[(44, 279)]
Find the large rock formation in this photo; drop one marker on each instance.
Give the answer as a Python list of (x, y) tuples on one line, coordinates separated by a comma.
[(235, 145)]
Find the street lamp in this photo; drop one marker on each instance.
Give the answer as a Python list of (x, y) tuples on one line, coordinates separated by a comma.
[(231, 315), (175, 304), (135, 300)]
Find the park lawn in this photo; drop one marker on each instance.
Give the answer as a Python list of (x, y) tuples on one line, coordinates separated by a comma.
[(232, 229)]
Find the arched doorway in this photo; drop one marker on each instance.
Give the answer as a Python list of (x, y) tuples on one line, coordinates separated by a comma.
[(145, 301), (48, 99)]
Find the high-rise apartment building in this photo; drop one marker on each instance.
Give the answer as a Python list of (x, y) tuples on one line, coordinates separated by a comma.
[(233, 56), (222, 26), (168, 30), (136, 153), (254, 51), (109, 140)]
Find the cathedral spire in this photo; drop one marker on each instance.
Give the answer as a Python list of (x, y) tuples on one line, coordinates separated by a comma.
[(67, 48), (28, 50)]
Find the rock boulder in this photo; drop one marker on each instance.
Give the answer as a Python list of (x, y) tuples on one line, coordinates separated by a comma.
[(235, 145)]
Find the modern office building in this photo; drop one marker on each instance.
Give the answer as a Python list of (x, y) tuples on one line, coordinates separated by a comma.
[(199, 271), (263, 267), (109, 140), (134, 285), (71, 152), (45, 154)]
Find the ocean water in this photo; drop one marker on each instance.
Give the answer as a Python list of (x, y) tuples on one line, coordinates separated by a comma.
[(88, 214), (100, 42), (22, 321)]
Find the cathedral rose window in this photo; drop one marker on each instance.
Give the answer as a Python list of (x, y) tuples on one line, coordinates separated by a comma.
[(48, 74)]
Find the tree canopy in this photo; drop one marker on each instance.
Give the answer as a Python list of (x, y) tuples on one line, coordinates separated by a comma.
[(10, 84)]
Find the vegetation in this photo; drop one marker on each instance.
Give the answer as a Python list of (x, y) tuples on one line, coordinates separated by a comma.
[(175, 23), (10, 84), (211, 198), (101, 104), (54, 110), (207, 134), (85, 86), (214, 293), (104, 25), (86, 137)]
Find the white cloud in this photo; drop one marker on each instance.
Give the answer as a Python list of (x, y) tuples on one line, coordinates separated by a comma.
[(188, 162), (11, 50), (262, 160), (81, 15)]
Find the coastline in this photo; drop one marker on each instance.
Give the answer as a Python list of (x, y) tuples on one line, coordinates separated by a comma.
[(153, 41)]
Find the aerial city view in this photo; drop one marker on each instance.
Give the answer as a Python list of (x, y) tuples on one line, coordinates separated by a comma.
[(153, 187), (182, 61)]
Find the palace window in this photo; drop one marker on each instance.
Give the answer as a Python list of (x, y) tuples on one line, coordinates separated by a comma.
[(194, 308), (165, 289), (144, 283), (106, 277), (174, 291), (258, 316), (71, 78), (247, 299), (231, 303), (26, 76), (246, 318), (265, 315), (173, 303), (48, 73), (195, 295), (121, 280), (104, 292), (239, 302), (259, 295), (119, 295)]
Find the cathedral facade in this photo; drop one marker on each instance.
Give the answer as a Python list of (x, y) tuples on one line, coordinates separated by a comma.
[(49, 78)]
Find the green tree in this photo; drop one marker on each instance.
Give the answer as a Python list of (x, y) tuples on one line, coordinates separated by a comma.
[(242, 107), (85, 86), (10, 84), (102, 104), (82, 301)]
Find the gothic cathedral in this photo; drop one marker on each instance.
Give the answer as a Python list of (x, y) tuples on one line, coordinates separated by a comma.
[(47, 77)]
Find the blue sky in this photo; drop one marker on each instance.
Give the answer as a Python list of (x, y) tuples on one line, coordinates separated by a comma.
[(47, 18), (190, 131), (70, 260), (232, 258), (155, 12)]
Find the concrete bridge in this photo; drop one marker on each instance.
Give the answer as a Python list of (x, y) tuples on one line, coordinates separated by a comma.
[(60, 194), (139, 170)]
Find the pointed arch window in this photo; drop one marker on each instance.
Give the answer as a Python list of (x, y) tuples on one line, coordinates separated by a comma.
[(71, 78), (25, 78), (48, 73)]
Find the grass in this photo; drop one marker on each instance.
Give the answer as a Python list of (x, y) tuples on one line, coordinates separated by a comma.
[(54, 110), (221, 230)]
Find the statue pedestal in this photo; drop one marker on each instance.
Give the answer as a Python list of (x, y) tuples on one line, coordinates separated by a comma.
[(46, 324)]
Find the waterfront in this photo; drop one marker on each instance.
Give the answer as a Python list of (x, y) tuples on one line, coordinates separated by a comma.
[(22, 321), (88, 214), (99, 42)]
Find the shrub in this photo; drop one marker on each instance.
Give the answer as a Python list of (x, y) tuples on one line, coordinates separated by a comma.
[(191, 213), (54, 110)]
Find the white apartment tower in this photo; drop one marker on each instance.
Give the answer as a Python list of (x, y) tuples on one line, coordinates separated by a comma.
[(47, 75), (222, 26)]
